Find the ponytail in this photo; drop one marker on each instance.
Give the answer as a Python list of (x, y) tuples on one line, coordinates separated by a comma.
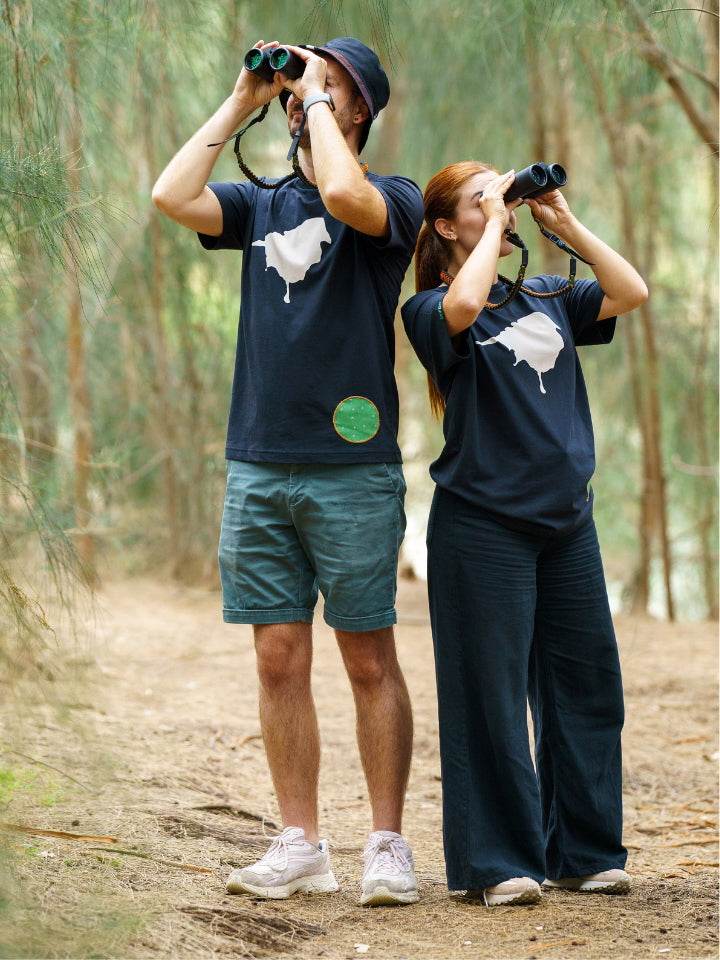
[(432, 252)]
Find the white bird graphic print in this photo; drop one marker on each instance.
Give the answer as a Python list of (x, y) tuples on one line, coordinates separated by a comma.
[(293, 253), (535, 339)]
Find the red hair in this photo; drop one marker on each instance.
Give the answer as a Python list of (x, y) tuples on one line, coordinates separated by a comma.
[(432, 251)]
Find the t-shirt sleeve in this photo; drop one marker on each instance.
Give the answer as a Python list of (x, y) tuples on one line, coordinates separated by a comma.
[(426, 330), (405, 211), (235, 202), (583, 304)]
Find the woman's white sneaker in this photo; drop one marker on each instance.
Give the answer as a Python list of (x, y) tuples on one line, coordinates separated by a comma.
[(609, 881), (517, 890), (291, 865)]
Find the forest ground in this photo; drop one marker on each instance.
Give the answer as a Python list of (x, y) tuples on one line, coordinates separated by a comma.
[(156, 786)]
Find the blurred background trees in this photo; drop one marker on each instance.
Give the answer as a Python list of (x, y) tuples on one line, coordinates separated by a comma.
[(117, 345)]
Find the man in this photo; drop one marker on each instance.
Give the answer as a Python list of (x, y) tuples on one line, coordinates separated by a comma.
[(315, 488)]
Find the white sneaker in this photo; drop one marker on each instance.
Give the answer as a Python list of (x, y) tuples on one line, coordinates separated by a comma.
[(389, 876), (291, 864), (517, 890)]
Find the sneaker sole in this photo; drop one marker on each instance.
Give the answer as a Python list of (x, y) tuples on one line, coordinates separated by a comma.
[(592, 886), (383, 897), (531, 895), (320, 883)]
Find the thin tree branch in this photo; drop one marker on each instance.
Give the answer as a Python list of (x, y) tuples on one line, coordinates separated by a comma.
[(710, 13), (660, 61)]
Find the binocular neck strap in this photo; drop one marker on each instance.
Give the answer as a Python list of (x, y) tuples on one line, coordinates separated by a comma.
[(258, 181), (561, 243), (517, 285), (293, 154), (236, 136)]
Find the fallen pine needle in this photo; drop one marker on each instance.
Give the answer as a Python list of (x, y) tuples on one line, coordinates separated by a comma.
[(690, 843), (684, 739), (556, 943), (44, 763), (689, 805), (164, 863), (61, 834)]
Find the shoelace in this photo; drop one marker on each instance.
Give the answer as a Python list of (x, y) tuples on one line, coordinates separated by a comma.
[(278, 855), (388, 855)]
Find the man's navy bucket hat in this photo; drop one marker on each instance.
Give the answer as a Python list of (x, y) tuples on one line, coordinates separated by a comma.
[(364, 67)]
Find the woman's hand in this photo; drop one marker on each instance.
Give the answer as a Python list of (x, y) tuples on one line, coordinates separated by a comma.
[(622, 285), (551, 210), (492, 201)]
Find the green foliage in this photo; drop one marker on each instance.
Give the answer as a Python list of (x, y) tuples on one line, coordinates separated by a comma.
[(11, 781)]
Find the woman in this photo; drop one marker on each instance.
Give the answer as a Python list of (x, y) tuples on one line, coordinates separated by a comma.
[(518, 601)]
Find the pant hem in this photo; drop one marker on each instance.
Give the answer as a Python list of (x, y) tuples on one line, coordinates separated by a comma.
[(360, 624), (268, 616)]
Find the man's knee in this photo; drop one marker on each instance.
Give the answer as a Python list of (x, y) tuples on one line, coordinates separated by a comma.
[(284, 654), (370, 657)]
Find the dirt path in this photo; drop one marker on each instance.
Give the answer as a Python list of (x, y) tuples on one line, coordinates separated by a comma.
[(167, 760)]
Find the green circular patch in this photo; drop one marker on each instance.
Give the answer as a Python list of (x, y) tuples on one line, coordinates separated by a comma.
[(356, 419)]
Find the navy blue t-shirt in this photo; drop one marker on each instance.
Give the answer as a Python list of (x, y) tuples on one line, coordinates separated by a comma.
[(314, 379), (518, 432)]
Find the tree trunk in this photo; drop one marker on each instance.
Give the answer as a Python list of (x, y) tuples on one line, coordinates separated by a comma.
[(644, 371), (77, 372), (549, 120)]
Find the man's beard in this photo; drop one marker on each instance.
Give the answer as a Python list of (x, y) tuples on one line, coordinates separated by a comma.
[(343, 118)]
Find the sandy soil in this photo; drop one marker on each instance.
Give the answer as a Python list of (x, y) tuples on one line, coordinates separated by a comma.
[(158, 773)]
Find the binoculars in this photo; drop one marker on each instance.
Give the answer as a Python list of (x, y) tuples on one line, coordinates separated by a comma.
[(266, 63), (535, 180)]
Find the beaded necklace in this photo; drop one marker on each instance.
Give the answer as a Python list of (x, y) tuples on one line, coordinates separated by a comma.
[(517, 286)]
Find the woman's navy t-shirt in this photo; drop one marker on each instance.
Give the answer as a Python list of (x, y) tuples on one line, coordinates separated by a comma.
[(518, 433)]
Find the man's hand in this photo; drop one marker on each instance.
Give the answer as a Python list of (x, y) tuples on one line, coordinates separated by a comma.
[(251, 90), (313, 78)]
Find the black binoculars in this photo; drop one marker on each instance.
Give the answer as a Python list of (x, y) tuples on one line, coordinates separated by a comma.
[(266, 63), (535, 180)]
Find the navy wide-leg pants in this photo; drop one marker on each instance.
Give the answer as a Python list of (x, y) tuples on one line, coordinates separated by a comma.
[(517, 617)]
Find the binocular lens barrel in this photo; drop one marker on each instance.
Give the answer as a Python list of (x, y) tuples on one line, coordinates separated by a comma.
[(258, 62), (535, 180), (526, 182), (253, 59), (287, 63), (266, 63), (557, 175)]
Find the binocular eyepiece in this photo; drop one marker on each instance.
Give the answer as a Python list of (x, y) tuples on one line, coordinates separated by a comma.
[(266, 63), (535, 180)]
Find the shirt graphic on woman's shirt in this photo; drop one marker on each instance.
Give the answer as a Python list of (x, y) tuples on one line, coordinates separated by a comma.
[(535, 338)]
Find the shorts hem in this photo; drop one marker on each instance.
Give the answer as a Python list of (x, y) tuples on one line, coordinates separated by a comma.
[(360, 624), (268, 616)]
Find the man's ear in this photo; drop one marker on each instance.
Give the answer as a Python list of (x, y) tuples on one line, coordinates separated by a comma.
[(361, 110)]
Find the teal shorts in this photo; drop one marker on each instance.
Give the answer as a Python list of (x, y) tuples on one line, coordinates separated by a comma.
[(291, 530)]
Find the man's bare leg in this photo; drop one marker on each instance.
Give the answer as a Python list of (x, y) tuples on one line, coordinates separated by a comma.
[(288, 721), (383, 718)]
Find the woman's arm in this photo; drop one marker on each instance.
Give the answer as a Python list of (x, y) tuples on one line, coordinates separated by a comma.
[(622, 285), (469, 291)]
